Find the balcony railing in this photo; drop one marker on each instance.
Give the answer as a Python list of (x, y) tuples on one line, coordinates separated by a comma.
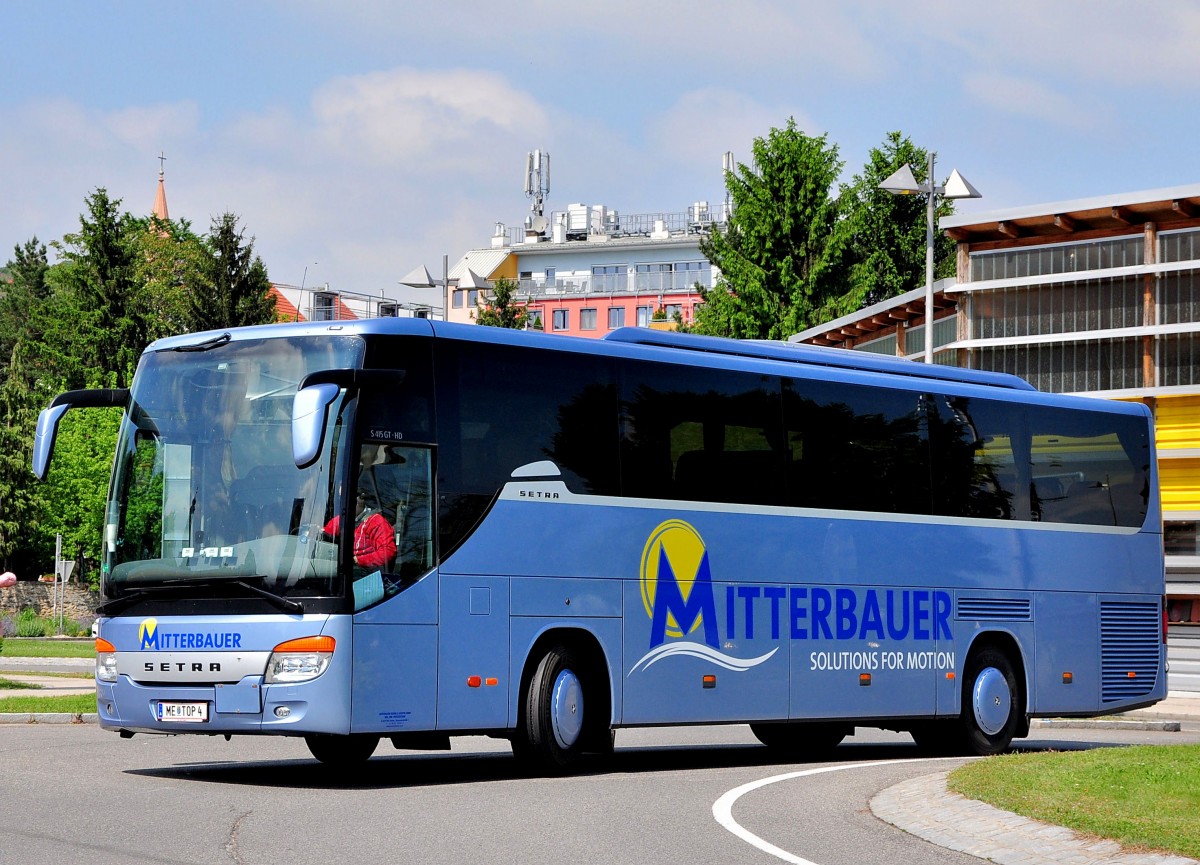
[(580, 223)]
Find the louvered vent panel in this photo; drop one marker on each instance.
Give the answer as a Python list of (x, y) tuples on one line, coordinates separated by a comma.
[(994, 609), (1130, 646)]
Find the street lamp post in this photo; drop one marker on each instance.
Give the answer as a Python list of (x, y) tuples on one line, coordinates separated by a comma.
[(902, 182), (420, 278)]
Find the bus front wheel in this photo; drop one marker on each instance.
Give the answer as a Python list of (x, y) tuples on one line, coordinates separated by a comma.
[(992, 702), (341, 750), (551, 730)]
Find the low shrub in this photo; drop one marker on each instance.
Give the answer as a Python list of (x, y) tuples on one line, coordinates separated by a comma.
[(30, 624)]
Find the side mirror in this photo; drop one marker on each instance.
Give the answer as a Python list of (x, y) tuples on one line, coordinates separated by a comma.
[(310, 413), (43, 439), (47, 425), (318, 390)]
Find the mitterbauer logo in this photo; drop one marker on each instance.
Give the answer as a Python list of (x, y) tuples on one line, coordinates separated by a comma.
[(155, 639), (677, 592)]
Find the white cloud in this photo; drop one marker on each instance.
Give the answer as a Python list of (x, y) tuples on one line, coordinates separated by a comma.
[(1028, 98), (404, 114)]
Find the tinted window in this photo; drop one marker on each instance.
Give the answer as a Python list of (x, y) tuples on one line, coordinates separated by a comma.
[(855, 448), (974, 471), (1089, 467), (695, 434), (501, 407)]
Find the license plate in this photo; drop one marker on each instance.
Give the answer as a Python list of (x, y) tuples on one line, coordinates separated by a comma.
[(187, 713)]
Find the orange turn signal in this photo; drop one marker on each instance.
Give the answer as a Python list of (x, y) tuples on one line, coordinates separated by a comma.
[(307, 644), (104, 646), (474, 681)]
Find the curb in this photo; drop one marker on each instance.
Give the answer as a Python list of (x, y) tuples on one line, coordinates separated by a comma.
[(1094, 724), (49, 718)]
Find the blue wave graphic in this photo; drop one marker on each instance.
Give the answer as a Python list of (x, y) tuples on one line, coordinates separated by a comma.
[(701, 651)]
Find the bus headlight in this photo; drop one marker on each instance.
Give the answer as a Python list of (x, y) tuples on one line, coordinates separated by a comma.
[(106, 661), (299, 660)]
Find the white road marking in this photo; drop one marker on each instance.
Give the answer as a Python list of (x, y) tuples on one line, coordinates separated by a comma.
[(722, 809)]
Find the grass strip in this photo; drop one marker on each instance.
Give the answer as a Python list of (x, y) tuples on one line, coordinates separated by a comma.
[(71, 704), (16, 685), (1144, 797), (33, 648)]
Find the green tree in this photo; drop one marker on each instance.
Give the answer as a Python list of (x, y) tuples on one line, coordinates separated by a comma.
[(501, 309), (77, 485), (236, 288), (884, 234), (25, 384), (779, 260), (170, 270), (99, 269)]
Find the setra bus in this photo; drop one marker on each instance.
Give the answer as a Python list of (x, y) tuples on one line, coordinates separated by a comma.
[(571, 536)]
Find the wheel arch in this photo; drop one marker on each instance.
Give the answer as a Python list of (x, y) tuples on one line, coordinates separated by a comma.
[(1006, 642), (585, 644)]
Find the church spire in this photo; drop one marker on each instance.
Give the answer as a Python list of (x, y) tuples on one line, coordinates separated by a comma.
[(160, 200)]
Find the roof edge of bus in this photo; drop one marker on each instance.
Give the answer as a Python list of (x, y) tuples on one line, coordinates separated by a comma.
[(304, 328), (815, 355)]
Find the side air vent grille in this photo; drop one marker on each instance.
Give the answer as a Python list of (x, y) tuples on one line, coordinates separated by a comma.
[(1130, 648), (994, 609)]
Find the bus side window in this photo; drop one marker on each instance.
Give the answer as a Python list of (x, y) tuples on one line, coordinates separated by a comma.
[(975, 467), (1089, 468)]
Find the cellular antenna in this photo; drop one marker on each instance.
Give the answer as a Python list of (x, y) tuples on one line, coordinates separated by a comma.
[(537, 180)]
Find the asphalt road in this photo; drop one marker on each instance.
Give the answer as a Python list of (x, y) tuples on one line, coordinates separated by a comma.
[(76, 794)]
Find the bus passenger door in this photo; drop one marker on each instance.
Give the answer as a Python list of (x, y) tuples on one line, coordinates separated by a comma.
[(473, 653)]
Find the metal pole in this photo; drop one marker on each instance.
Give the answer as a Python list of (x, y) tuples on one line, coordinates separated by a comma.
[(446, 285), (931, 216)]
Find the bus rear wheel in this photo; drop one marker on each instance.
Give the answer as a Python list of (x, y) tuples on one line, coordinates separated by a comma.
[(343, 751), (550, 733), (802, 740), (992, 702)]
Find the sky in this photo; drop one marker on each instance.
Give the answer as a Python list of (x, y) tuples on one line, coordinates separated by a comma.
[(359, 140)]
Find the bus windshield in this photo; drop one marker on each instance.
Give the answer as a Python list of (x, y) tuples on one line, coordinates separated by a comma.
[(204, 488)]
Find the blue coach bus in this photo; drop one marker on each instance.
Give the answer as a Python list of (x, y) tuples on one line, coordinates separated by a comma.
[(554, 538)]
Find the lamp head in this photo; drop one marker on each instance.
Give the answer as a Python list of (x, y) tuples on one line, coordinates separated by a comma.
[(902, 182)]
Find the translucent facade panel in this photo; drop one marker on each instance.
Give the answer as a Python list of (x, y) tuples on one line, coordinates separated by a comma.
[(883, 345), (945, 331), (1072, 367), (1179, 359), (1179, 245), (1068, 308), (1059, 258), (1179, 297)]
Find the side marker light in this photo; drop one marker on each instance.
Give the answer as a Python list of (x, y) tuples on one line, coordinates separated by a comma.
[(474, 681), (709, 681), (864, 679)]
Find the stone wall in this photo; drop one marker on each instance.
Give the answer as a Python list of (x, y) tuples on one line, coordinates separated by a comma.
[(79, 603)]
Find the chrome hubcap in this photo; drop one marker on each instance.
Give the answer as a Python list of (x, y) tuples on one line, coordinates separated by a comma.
[(991, 701), (566, 709)]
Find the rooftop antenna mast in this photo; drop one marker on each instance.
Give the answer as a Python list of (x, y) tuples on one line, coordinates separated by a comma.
[(537, 187)]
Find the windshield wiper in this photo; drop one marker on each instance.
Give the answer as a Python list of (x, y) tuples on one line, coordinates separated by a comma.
[(175, 586), (214, 342)]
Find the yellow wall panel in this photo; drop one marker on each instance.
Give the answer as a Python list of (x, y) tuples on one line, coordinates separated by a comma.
[(1180, 484), (1177, 422)]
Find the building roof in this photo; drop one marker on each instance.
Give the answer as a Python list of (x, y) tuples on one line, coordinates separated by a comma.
[(1104, 214), (881, 316), (160, 200), (483, 261)]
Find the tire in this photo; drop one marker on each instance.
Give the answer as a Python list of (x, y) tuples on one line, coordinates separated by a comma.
[(551, 732), (993, 703), (342, 751), (801, 739)]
